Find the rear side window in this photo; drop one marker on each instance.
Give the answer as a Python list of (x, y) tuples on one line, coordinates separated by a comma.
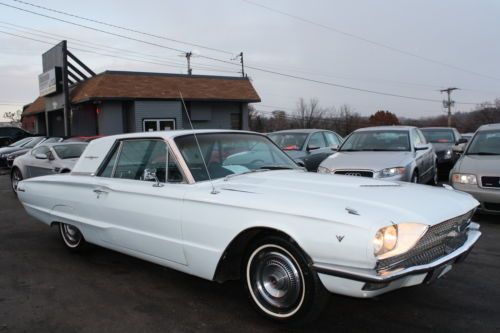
[(331, 139), (317, 140)]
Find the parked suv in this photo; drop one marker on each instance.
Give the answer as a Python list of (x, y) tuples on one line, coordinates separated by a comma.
[(385, 152), (307, 146), (10, 134)]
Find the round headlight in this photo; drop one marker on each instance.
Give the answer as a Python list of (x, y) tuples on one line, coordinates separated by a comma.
[(385, 240)]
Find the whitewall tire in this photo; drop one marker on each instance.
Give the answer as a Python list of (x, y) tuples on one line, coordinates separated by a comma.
[(71, 236), (279, 282)]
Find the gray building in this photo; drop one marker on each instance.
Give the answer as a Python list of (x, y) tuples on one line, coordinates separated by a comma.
[(116, 102)]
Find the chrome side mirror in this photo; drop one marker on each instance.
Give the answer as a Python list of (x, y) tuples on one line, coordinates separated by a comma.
[(150, 175)]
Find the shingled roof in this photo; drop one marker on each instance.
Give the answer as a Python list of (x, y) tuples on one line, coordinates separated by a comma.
[(114, 85)]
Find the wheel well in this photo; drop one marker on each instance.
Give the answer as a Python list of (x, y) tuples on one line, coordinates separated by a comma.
[(13, 169), (229, 265)]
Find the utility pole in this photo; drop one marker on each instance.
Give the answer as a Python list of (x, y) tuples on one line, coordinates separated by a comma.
[(242, 62), (188, 57), (449, 103)]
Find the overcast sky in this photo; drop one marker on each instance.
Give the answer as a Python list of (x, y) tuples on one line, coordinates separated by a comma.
[(458, 33)]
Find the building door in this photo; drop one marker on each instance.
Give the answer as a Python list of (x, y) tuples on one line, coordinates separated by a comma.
[(151, 125)]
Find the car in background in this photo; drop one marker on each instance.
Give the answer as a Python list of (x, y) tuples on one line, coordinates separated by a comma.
[(46, 159), (443, 139), (82, 138), (467, 136), (12, 156), (308, 147), (477, 172), (385, 152), (10, 134), (292, 236), (21, 145)]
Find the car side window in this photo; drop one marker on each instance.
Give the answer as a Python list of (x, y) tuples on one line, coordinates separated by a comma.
[(138, 156), (421, 136), (136, 159), (416, 137), (41, 150), (331, 139), (317, 140)]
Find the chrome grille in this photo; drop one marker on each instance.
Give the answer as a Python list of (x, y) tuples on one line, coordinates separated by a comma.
[(439, 240), (359, 173)]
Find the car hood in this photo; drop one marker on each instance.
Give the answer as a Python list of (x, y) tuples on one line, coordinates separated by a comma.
[(375, 203), (295, 154), (367, 160), (479, 165), (8, 150)]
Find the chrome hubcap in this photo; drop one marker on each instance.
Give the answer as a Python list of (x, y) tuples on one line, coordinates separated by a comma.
[(276, 281), (71, 234), (16, 178)]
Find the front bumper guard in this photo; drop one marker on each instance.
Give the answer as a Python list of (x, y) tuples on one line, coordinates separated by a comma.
[(372, 276)]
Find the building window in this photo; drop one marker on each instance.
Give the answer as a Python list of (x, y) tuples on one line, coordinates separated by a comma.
[(150, 125), (235, 121)]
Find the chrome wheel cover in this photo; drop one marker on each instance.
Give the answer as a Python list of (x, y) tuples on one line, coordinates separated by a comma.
[(275, 281), (70, 234), (16, 178)]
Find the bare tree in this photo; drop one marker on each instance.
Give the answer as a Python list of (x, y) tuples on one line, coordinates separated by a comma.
[(14, 117), (309, 114)]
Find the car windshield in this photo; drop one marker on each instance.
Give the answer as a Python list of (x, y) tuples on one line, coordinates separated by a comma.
[(439, 135), (377, 140), (21, 142), (69, 151), (52, 140), (34, 142), (231, 154), (485, 143), (289, 141)]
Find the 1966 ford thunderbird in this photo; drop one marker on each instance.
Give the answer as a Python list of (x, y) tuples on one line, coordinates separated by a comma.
[(228, 204)]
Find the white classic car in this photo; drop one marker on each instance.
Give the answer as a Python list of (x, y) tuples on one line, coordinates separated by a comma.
[(180, 200)]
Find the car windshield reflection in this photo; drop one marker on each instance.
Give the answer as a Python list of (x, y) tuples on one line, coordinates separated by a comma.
[(231, 154), (382, 140)]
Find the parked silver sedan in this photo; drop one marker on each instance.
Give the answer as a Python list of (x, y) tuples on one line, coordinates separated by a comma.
[(477, 172), (46, 159), (387, 152)]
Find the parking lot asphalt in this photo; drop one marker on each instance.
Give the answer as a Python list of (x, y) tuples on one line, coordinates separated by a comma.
[(45, 288)]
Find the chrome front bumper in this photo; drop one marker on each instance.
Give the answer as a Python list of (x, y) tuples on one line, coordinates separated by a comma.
[(372, 276)]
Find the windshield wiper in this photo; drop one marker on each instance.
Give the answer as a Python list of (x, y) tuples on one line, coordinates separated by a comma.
[(261, 169), (483, 153), (244, 173), (276, 167)]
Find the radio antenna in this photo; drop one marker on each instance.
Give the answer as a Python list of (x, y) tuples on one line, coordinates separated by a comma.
[(214, 191)]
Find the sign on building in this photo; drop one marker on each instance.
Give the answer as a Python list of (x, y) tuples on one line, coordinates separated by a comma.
[(50, 81)]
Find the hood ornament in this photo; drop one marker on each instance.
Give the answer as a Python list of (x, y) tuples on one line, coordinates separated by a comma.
[(340, 238), (352, 211)]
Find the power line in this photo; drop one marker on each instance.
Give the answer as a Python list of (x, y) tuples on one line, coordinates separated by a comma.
[(201, 67), (232, 63), (106, 47), (366, 40), (124, 28)]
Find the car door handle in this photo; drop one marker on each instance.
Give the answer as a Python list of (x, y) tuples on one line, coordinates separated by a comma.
[(99, 191)]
